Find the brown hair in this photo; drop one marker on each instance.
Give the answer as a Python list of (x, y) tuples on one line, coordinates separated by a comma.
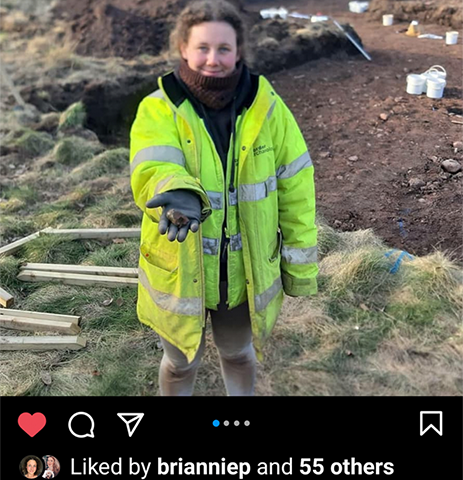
[(201, 11), (23, 465)]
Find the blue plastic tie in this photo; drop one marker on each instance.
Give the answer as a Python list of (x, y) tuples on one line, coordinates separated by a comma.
[(397, 263)]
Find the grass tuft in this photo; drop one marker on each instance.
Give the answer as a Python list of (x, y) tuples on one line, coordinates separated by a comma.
[(74, 150), (34, 144), (109, 162), (74, 116)]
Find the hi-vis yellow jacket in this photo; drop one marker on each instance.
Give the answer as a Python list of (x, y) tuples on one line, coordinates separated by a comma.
[(270, 216)]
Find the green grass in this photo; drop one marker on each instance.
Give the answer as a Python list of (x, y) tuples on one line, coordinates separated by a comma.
[(54, 249), (73, 117), (110, 162), (72, 151), (34, 144), (116, 255)]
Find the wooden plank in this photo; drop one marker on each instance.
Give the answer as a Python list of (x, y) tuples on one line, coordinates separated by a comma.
[(83, 269), (6, 299), (40, 315), (36, 325), (97, 233), (67, 342), (15, 246), (76, 279)]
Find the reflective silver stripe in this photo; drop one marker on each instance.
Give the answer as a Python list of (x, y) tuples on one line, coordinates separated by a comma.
[(287, 171), (235, 242), (261, 301), (257, 191), (161, 153), (211, 245), (233, 198), (269, 114), (157, 94), (171, 303), (216, 199), (299, 256)]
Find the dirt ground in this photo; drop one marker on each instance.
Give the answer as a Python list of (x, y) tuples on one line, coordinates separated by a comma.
[(375, 173)]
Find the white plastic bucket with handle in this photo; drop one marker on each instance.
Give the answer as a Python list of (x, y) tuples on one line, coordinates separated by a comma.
[(451, 38), (436, 71), (415, 83), (388, 20), (435, 87)]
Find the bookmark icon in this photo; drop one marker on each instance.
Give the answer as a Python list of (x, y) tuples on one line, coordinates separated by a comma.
[(429, 420), (131, 420)]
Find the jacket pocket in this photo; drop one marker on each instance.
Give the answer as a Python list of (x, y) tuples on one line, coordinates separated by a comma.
[(164, 262), (275, 247)]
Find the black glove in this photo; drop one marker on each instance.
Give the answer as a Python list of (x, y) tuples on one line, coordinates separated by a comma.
[(181, 212)]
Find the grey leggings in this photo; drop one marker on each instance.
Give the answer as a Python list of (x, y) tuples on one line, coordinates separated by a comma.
[(231, 331)]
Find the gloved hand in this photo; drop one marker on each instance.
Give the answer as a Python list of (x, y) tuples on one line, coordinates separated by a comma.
[(181, 212)]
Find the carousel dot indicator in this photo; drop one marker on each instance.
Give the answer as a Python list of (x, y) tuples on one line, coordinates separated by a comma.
[(236, 423), (226, 423), (247, 423), (216, 423)]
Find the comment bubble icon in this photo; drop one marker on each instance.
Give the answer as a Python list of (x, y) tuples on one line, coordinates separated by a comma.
[(77, 421)]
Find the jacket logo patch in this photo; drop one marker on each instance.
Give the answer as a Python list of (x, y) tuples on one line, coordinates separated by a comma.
[(262, 149)]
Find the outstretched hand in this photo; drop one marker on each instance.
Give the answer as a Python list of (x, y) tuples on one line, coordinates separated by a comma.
[(181, 212)]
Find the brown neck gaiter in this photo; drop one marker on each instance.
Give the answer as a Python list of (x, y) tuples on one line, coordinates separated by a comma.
[(214, 92)]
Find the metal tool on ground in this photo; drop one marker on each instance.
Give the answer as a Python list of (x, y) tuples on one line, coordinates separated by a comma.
[(348, 35), (362, 51)]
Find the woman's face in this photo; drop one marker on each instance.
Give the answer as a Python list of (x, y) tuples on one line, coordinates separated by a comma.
[(50, 462), (211, 49), (31, 467)]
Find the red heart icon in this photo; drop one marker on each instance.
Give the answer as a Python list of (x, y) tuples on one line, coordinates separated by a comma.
[(32, 424)]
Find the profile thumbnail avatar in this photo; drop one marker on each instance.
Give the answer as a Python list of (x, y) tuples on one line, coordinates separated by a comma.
[(31, 466), (52, 467)]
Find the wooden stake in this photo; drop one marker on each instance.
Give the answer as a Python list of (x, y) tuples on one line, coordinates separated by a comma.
[(6, 299), (42, 343), (75, 279), (40, 315), (456, 121), (82, 269), (36, 325), (13, 247), (97, 233)]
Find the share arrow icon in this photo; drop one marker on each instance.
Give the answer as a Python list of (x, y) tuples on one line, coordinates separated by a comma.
[(131, 420)]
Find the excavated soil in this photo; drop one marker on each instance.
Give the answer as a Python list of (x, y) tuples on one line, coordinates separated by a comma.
[(382, 173), (124, 28), (448, 13)]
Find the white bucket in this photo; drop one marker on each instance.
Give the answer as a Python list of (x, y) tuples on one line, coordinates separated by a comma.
[(415, 83), (358, 7), (431, 76), (435, 87), (387, 20), (273, 12), (451, 38), (436, 71)]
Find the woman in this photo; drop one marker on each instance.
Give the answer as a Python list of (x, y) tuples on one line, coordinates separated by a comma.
[(32, 467), (53, 467), (216, 146)]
